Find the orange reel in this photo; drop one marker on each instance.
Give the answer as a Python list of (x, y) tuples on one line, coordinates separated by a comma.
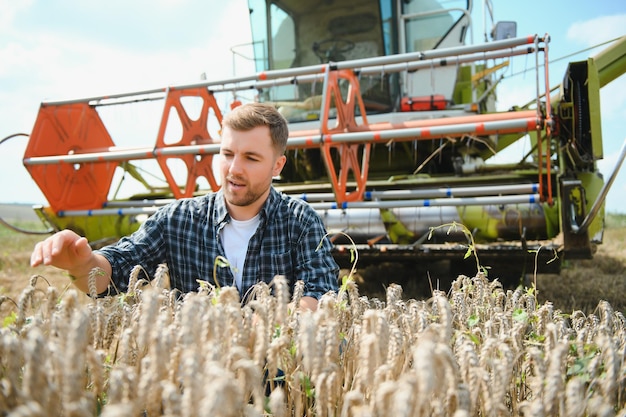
[(194, 132), (348, 153), (64, 130)]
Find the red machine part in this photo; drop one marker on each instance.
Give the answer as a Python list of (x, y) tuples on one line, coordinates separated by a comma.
[(348, 153), (194, 132), (70, 129), (432, 102)]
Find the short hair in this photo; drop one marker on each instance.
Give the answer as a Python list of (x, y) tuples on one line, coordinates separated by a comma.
[(248, 116)]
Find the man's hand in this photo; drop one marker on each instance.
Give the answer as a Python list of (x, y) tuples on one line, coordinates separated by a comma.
[(308, 303), (67, 250)]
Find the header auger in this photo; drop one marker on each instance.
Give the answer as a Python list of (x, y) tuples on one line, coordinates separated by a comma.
[(387, 141)]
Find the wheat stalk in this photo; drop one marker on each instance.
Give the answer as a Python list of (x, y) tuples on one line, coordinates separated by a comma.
[(478, 351)]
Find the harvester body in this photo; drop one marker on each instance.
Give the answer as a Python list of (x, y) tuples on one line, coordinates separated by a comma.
[(393, 123)]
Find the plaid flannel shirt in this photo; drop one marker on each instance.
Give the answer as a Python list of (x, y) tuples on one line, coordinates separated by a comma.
[(185, 235)]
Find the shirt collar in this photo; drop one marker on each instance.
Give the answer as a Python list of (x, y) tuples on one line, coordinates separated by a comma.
[(221, 213)]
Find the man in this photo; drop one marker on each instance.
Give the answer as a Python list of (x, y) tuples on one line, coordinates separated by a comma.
[(261, 232)]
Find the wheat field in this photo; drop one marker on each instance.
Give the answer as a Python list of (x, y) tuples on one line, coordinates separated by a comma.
[(477, 350)]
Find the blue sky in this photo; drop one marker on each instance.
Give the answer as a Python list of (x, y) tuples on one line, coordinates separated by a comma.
[(72, 49)]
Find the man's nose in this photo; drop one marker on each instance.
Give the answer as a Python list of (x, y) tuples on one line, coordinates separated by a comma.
[(236, 166)]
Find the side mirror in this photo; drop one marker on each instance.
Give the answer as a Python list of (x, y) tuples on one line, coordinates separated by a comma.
[(504, 30)]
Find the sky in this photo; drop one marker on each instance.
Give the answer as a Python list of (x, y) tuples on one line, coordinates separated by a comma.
[(66, 49)]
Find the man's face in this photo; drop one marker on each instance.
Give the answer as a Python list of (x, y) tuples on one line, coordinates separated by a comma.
[(248, 162)]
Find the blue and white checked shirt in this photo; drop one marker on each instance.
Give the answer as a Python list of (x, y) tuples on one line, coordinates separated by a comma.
[(185, 235)]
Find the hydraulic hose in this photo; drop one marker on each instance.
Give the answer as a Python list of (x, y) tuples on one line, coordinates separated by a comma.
[(11, 226)]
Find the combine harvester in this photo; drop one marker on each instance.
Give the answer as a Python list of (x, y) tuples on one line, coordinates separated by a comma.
[(393, 124)]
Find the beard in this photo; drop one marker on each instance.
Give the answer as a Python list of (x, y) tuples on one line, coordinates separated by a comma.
[(242, 194)]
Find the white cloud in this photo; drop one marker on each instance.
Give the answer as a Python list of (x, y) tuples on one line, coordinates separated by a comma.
[(9, 9), (50, 62), (613, 100), (64, 66), (615, 198), (595, 31)]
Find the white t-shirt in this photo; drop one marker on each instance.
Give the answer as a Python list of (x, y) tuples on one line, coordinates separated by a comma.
[(235, 237)]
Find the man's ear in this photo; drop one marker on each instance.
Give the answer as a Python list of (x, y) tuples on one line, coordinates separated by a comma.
[(279, 165)]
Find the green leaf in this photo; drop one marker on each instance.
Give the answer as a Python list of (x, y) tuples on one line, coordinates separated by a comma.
[(577, 368), (536, 337), (474, 338), (216, 295), (580, 368), (520, 315), (344, 282), (309, 390), (10, 319), (472, 320)]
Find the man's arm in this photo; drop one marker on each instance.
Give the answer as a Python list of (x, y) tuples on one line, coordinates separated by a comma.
[(67, 250)]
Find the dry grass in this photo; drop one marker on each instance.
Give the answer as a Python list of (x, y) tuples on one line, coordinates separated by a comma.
[(15, 270)]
